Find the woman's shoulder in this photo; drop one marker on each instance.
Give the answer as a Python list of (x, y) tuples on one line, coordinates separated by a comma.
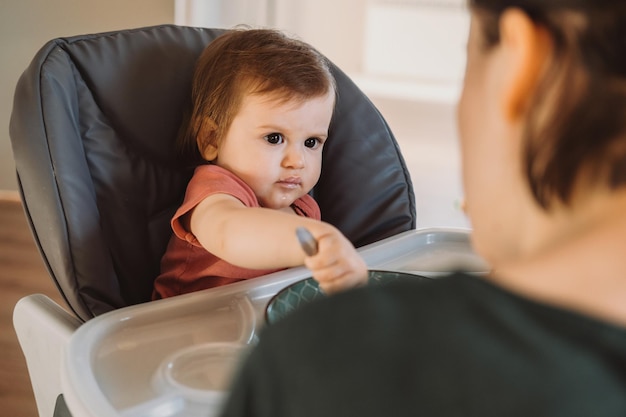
[(469, 306), (402, 302)]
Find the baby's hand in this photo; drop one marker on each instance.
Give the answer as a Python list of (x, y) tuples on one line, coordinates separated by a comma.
[(337, 265)]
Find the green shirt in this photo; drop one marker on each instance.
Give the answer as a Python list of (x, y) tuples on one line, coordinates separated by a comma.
[(454, 346)]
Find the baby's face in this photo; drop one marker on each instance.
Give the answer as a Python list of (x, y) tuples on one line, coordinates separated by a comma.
[(276, 147)]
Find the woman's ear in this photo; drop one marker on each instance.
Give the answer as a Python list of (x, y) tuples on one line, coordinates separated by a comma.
[(527, 47)]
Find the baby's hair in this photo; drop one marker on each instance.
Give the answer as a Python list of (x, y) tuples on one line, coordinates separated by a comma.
[(241, 62), (576, 123)]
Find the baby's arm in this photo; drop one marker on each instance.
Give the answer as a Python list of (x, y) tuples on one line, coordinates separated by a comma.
[(260, 238)]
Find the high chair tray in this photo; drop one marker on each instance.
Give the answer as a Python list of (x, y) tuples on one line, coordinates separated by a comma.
[(175, 357)]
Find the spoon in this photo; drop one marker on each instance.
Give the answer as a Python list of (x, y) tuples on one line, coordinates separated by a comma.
[(307, 241)]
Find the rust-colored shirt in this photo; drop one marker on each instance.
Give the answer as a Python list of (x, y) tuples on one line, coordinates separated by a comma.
[(186, 265)]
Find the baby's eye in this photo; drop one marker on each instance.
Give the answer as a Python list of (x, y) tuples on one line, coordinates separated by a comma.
[(274, 138), (312, 143)]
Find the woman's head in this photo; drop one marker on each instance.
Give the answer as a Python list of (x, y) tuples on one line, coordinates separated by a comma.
[(576, 121), (241, 62), (554, 72)]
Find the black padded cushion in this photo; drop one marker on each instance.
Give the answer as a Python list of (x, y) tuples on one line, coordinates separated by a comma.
[(93, 127)]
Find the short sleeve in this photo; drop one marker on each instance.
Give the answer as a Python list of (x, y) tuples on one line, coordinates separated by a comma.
[(208, 180)]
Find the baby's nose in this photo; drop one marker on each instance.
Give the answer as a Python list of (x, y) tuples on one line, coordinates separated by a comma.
[(294, 158)]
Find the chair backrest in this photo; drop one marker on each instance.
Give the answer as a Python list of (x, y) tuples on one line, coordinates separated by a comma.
[(93, 128)]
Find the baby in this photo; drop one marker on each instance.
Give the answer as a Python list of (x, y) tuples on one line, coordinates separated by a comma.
[(261, 108)]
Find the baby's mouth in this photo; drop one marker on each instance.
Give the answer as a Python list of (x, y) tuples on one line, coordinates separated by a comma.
[(290, 182)]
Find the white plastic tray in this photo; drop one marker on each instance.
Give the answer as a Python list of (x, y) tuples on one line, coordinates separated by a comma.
[(173, 357)]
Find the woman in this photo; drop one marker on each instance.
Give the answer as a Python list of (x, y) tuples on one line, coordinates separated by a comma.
[(542, 122)]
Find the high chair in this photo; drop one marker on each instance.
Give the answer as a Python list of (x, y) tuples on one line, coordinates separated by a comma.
[(92, 130)]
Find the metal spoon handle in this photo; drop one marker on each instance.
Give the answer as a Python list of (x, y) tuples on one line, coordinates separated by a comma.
[(307, 241)]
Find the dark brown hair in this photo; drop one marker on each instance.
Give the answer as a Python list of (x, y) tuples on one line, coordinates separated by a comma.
[(576, 123), (247, 61)]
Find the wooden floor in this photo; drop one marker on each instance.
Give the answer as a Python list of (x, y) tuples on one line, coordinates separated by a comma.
[(22, 272)]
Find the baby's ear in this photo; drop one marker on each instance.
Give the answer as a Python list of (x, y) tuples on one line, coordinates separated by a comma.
[(209, 152), (206, 142)]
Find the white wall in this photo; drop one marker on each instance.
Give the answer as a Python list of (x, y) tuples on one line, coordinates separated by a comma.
[(25, 25), (336, 28), (223, 13), (409, 49), (419, 43)]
